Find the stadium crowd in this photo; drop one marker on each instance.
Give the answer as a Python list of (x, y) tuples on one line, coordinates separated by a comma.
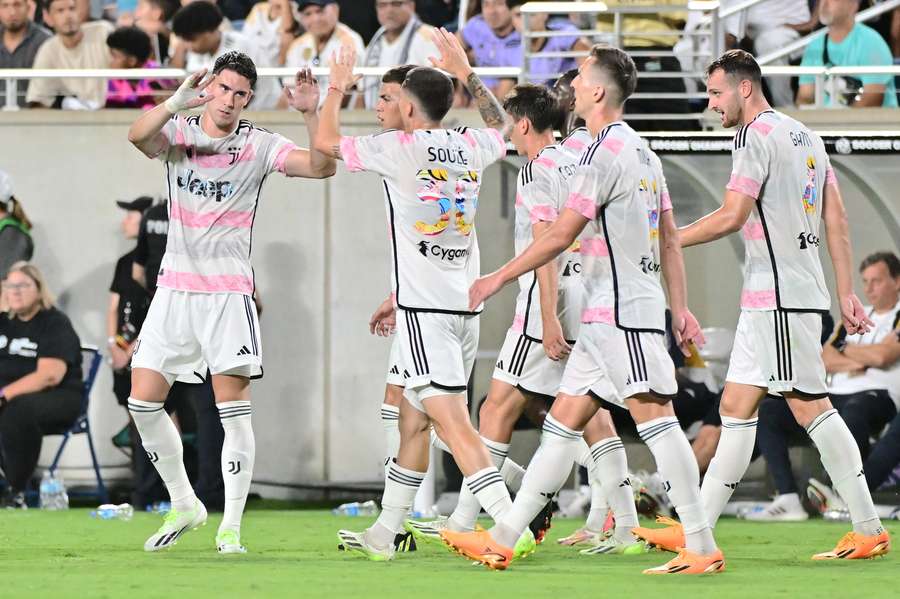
[(93, 34)]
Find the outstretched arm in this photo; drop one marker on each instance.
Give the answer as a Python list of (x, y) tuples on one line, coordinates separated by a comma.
[(304, 97), (146, 132), (341, 80), (548, 246), (453, 60)]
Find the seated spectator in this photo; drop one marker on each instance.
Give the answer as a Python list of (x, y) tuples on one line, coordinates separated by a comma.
[(130, 48), (847, 44), (197, 24), (178, 49), (439, 13), (273, 27), (324, 36), (546, 70), (40, 375), (401, 39), (76, 45), (492, 40), (864, 387), (153, 17), (21, 39), (15, 228)]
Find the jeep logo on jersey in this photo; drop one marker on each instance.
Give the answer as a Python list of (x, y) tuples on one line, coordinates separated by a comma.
[(446, 254), (807, 240), (648, 265), (218, 190)]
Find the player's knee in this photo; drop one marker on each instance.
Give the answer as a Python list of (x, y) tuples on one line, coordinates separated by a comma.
[(393, 395)]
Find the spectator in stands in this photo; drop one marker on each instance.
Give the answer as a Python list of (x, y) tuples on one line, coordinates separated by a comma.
[(324, 36), (153, 17), (401, 39), (546, 70), (15, 228), (439, 13), (864, 387), (178, 49), (492, 40), (128, 303), (197, 24), (21, 39), (273, 27), (40, 375), (847, 44), (130, 48), (76, 45)]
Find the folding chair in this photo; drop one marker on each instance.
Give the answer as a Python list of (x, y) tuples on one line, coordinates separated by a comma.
[(91, 360)]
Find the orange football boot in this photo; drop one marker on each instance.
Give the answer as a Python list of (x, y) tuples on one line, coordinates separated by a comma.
[(856, 546), (670, 538), (691, 563), (479, 546)]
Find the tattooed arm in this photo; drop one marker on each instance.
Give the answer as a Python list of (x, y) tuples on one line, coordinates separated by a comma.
[(328, 137), (453, 60)]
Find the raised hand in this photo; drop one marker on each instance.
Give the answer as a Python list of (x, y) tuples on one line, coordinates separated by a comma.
[(304, 95), (191, 93), (453, 57), (340, 66)]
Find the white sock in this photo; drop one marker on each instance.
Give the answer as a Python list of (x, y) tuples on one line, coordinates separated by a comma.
[(390, 419), (162, 442), (238, 455), (400, 489), (728, 466), (678, 467), (548, 470), (612, 469), (512, 474), (467, 507), (489, 489), (840, 456), (438, 444), (596, 517)]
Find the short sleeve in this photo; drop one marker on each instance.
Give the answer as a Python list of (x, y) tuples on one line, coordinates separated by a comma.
[(750, 163), (586, 191), (812, 57), (830, 177), (43, 91), (277, 152), (117, 282), (488, 144), (665, 201), (58, 339), (375, 153), (173, 136), (537, 193)]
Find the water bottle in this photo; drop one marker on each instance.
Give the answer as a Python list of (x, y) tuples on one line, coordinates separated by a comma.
[(367, 508), (109, 511), (53, 492), (160, 507)]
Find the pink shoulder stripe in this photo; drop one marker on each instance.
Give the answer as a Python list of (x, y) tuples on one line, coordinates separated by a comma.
[(665, 201), (763, 127), (543, 213), (830, 177), (583, 205), (545, 161), (594, 247), (613, 144), (282, 155), (351, 154), (744, 185)]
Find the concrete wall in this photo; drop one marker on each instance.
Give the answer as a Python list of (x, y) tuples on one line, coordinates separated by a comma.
[(322, 262)]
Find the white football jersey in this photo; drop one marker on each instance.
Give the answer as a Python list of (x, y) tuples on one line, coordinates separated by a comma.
[(214, 185), (620, 188), (541, 195), (782, 165), (431, 180)]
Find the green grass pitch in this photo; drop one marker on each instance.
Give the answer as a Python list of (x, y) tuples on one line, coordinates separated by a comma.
[(294, 554)]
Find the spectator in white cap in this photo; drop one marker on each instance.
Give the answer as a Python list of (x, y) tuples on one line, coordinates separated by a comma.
[(15, 228)]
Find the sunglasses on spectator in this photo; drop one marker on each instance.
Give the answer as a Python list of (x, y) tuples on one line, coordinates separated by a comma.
[(382, 4)]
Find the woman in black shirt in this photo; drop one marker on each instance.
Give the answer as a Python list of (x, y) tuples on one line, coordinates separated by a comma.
[(40, 374)]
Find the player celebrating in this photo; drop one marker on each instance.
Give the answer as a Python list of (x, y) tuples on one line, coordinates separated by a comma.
[(431, 178), (781, 187), (619, 194), (548, 309), (202, 315)]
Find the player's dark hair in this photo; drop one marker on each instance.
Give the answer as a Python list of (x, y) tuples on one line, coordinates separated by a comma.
[(533, 102), (397, 74), (738, 64), (196, 18), (889, 258), (566, 96), (235, 61), (131, 41), (432, 89), (618, 68), (168, 8), (46, 4)]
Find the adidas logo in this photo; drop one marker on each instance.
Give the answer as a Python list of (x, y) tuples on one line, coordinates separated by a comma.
[(861, 473), (731, 486), (406, 374), (628, 380), (625, 483), (547, 495), (395, 370), (500, 364), (243, 351)]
